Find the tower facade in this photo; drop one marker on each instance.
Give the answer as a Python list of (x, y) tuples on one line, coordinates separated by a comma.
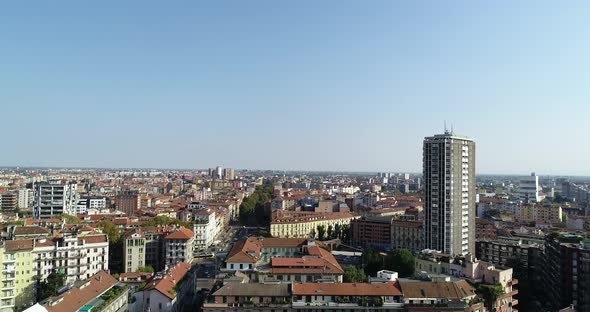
[(449, 193)]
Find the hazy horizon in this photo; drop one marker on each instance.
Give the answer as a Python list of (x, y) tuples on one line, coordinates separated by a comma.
[(316, 86)]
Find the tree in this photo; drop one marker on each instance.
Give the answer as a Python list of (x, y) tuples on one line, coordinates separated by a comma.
[(330, 232), (164, 220), (401, 261), (70, 219), (345, 233), (321, 232), (372, 261), (354, 274), (146, 269), (111, 230), (490, 293), (337, 230), (312, 234), (50, 286)]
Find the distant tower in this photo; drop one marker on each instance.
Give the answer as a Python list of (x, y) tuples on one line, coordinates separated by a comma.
[(449, 193)]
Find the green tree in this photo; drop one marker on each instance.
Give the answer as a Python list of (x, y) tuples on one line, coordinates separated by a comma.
[(164, 220), (147, 269), (354, 274), (69, 219), (345, 237), (50, 286), (312, 234), (111, 230), (401, 261), (330, 232), (337, 230), (490, 293), (372, 261), (321, 232)]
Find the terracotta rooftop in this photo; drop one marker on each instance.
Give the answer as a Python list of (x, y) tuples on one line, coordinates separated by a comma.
[(75, 298), (18, 245), (182, 233), (164, 284), (30, 230), (447, 290)]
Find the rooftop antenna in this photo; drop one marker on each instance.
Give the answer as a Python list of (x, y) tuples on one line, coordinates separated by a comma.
[(452, 129), (446, 131)]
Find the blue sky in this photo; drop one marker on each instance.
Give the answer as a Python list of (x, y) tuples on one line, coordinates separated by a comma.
[(318, 85)]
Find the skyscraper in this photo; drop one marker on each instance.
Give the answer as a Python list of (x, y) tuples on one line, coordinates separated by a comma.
[(449, 193)]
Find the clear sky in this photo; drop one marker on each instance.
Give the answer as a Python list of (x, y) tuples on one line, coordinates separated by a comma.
[(318, 85)]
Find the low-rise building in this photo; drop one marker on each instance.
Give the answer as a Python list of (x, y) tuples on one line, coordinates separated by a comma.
[(98, 293), (166, 291), (303, 224), (407, 234), (253, 297), (347, 296)]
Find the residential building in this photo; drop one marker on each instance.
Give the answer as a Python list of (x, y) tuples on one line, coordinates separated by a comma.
[(205, 227), (128, 203), (407, 234), (303, 224), (78, 256), (8, 201), (100, 292), (449, 193), (228, 174), (442, 296), (540, 213), (529, 190), (566, 271), (25, 198), (54, 198), (166, 291), (485, 229), (283, 260), (253, 297), (134, 248), (507, 251), (86, 203), (18, 283), (178, 247), (372, 232), (347, 297)]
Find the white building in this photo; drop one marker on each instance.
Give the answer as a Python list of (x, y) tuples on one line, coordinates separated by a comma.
[(25, 198), (54, 198), (84, 204), (529, 190), (78, 257), (178, 247), (205, 227)]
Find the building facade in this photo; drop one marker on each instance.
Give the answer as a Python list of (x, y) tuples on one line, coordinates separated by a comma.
[(134, 250), (54, 198), (449, 193)]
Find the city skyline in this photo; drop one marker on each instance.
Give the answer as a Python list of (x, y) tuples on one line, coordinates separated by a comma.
[(323, 87)]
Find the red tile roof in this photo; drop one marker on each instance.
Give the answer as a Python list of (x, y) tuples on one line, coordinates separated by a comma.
[(75, 298), (166, 283), (182, 233)]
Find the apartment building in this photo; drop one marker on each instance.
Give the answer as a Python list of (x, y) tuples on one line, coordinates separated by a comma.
[(100, 292), (449, 193), (303, 224), (8, 201), (178, 247), (54, 198), (205, 227), (407, 234), (77, 256), (283, 260), (372, 232), (540, 213), (566, 271), (18, 285), (25, 198), (254, 297), (134, 250), (529, 190), (128, 203), (166, 291)]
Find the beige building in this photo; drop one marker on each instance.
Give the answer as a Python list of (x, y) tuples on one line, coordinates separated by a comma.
[(540, 213), (134, 250), (302, 224), (407, 234)]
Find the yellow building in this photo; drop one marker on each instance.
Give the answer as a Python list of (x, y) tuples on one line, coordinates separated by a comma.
[(18, 285), (540, 214), (301, 224)]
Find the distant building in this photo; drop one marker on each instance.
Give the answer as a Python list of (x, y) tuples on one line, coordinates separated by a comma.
[(371, 232), (449, 193), (128, 203), (54, 198), (8, 201), (303, 224), (529, 190), (25, 198), (228, 174)]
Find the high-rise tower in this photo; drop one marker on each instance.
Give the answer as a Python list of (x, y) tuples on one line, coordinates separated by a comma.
[(449, 193)]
